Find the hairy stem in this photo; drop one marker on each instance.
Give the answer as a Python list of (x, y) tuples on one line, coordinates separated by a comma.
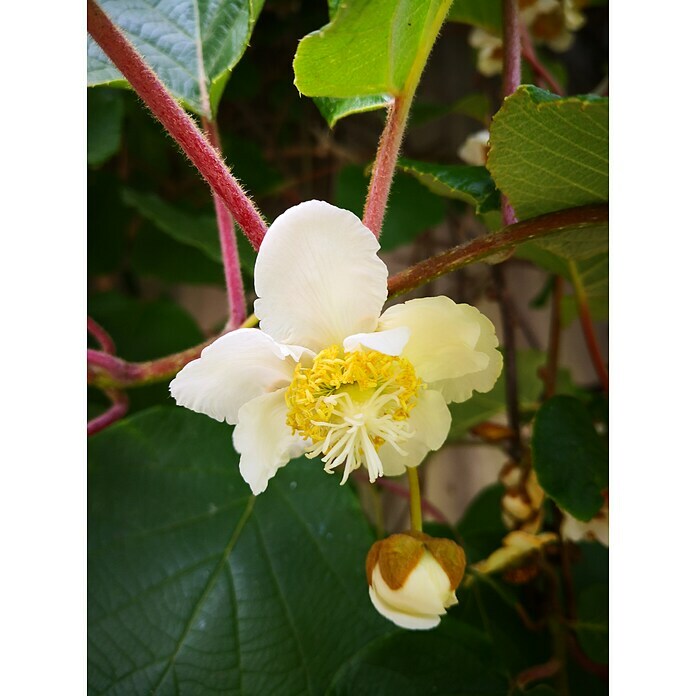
[(118, 409), (588, 327), (415, 498), (385, 163), (176, 121), (106, 343), (228, 243), (393, 133)]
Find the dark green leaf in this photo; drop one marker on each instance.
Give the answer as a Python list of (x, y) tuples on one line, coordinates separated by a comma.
[(198, 587), (472, 185), (107, 220), (144, 330), (548, 153), (476, 106), (192, 46), (482, 527), (412, 209), (451, 659), (369, 48), (570, 459), (104, 124), (157, 255), (333, 110), (486, 14), (592, 626)]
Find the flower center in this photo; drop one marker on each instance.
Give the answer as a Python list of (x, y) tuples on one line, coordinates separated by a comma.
[(350, 404)]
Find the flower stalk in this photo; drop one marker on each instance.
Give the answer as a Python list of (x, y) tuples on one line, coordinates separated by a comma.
[(176, 121), (415, 497), (118, 409), (228, 243)]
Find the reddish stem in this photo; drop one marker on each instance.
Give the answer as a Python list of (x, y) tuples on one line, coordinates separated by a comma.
[(535, 64), (102, 337), (118, 409), (228, 243), (588, 327), (176, 121), (385, 163), (493, 244)]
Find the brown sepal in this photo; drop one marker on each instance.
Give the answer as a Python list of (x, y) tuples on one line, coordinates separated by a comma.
[(451, 558)]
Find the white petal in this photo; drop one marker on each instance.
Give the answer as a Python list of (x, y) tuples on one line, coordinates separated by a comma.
[(400, 618), (236, 368), (264, 440), (390, 342), (318, 277), (452, 346), (430, 422)]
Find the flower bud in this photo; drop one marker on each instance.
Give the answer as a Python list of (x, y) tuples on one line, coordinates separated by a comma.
[(412, 578)]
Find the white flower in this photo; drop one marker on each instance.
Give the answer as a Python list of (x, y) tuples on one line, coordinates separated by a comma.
[(326, 375), (475, 148), (413, 578), (489, 60)]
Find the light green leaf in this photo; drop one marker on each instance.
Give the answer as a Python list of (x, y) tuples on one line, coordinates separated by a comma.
[(411, 211), (451, 659), (370, 48), (569, 457), (191, 45), (549, 153), (333, 110), (198, 587), (104, 124), (472, 185), (486, 14)]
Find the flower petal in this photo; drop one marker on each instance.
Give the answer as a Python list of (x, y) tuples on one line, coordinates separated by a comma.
[(452, 346), (318, 277), (264, 440), (390, 342), (401, 618), (430, 422), (234, 369)]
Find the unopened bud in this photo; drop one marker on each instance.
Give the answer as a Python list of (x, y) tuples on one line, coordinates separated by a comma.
[(413, 578)]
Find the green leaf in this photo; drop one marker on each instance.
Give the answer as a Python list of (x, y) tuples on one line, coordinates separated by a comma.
[(486, 14), (411, 211), (196, 230), (333, 110), (592, 625), (107, 220), (369, 48), (476, 106), (472, 185), (198, 587), (192, 46), (451, 659), (482, 527), (570, 459), (155, 254), (104, 124), (549, 153)]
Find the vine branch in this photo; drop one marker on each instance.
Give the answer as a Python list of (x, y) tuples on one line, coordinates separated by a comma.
[(176, 121)]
